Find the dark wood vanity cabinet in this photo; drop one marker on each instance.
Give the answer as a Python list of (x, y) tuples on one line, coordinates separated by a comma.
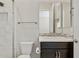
[(56, 49)]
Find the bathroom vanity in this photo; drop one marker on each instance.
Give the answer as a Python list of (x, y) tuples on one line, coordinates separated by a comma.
[(56, 29), (56, 47)]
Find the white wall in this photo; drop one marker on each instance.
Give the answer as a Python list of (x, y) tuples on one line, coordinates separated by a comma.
[(6, 29), (76, 27), (25, 11)]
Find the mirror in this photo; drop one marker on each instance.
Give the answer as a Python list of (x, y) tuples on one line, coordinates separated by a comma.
[(55, 17)]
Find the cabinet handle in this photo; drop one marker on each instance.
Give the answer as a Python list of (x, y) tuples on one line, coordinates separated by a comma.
[(56, 54), (59, 54)]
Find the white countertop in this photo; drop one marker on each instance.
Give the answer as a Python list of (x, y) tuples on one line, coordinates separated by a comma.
[(55, 39)]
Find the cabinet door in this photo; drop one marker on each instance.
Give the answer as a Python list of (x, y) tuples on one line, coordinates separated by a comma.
[(6, 29), (48, 53), (76, 28), (56, 53), (65, 53), (56, 49)]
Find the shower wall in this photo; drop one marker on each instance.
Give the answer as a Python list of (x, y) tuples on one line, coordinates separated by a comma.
[(26, 22)]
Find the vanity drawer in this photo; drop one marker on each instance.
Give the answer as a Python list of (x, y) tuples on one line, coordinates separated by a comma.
[(56, 44)]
